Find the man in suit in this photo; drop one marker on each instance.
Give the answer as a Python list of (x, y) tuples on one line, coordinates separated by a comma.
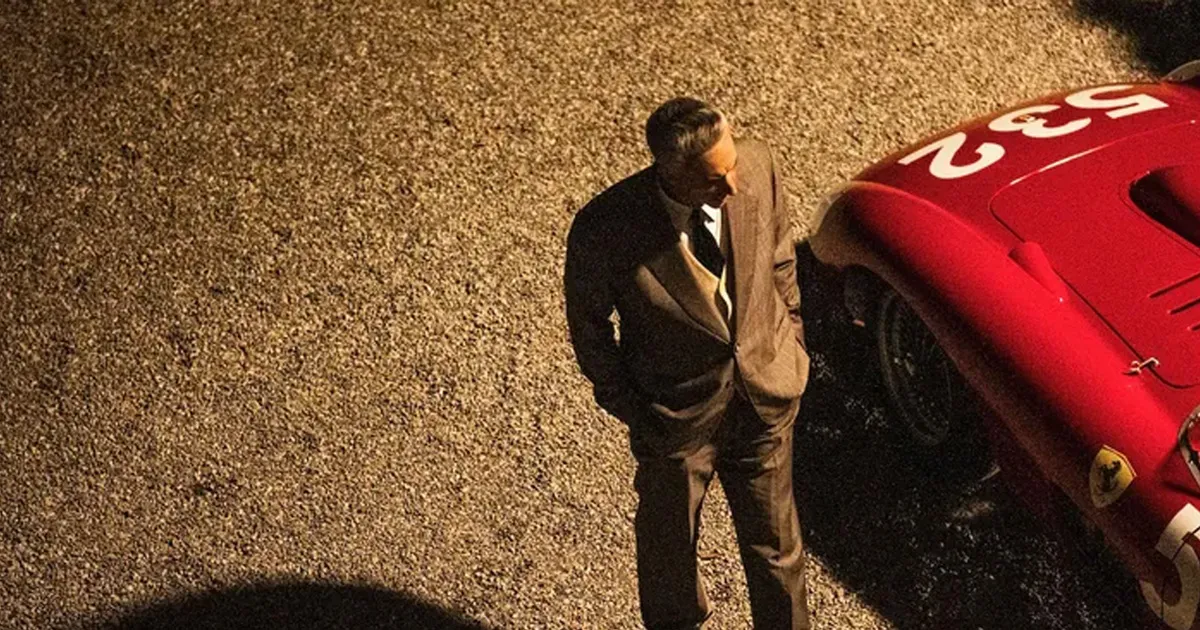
[(706, 364)]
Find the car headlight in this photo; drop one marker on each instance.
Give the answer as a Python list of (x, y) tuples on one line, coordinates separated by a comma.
[(1189, 449)]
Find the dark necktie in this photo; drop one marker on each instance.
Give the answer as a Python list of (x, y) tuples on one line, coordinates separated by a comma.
[(706, 249)]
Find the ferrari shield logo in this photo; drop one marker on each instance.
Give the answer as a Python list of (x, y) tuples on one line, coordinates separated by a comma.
[(1111, 475)]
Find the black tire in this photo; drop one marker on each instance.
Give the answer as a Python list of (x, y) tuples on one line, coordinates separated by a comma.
[(939, 415)]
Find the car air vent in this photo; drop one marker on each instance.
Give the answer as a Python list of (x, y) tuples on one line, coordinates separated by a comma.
[(1184, 288), (1171, 196)]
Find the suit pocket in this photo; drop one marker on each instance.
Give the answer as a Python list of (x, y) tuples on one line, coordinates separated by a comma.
[(785, 377)]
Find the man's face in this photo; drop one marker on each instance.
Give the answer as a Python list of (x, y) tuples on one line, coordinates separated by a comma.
[(708, 178)]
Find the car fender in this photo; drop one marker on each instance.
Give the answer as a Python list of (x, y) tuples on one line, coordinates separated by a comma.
[(1062, 387)]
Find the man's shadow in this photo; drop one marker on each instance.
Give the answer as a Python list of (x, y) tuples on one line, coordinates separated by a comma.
[(291, 605), (1166, 33), (924, 552)]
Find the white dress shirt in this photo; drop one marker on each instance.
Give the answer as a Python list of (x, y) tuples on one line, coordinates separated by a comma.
[(712, 221)]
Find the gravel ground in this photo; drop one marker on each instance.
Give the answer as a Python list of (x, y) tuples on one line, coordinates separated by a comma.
[(281, 329)]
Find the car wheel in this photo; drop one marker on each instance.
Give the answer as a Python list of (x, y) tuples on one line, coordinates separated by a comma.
[(936, 409)]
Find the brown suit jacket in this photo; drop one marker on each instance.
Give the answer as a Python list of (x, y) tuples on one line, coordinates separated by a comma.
[(675, 358)]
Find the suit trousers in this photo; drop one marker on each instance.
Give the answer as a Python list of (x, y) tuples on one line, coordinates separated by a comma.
[(754, 462)]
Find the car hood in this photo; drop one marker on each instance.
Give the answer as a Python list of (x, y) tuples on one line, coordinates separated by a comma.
[(1120, 223)]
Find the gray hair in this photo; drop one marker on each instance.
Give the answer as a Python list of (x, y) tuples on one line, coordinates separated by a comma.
[(683, 128)]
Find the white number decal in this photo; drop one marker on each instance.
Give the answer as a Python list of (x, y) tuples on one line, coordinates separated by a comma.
[(1119, 107), (1031, 126), (943, 168), (1174, 544)]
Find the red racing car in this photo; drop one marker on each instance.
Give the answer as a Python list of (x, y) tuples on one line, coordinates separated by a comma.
[(1049, 255)]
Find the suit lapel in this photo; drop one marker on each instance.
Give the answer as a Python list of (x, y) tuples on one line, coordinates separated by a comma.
[(678, 273), (679, 278), (743, 235)]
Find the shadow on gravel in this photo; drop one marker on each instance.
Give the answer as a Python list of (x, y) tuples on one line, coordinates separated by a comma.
[(1166, 33), (293, 606), (923, 552)]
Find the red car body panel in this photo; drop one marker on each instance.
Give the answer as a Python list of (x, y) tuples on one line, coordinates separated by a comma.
[(1145, 284), (1016, 240)]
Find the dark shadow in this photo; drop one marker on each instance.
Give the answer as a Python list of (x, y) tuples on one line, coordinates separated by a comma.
[(925, 553), (291, 606), (1166, 33)]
